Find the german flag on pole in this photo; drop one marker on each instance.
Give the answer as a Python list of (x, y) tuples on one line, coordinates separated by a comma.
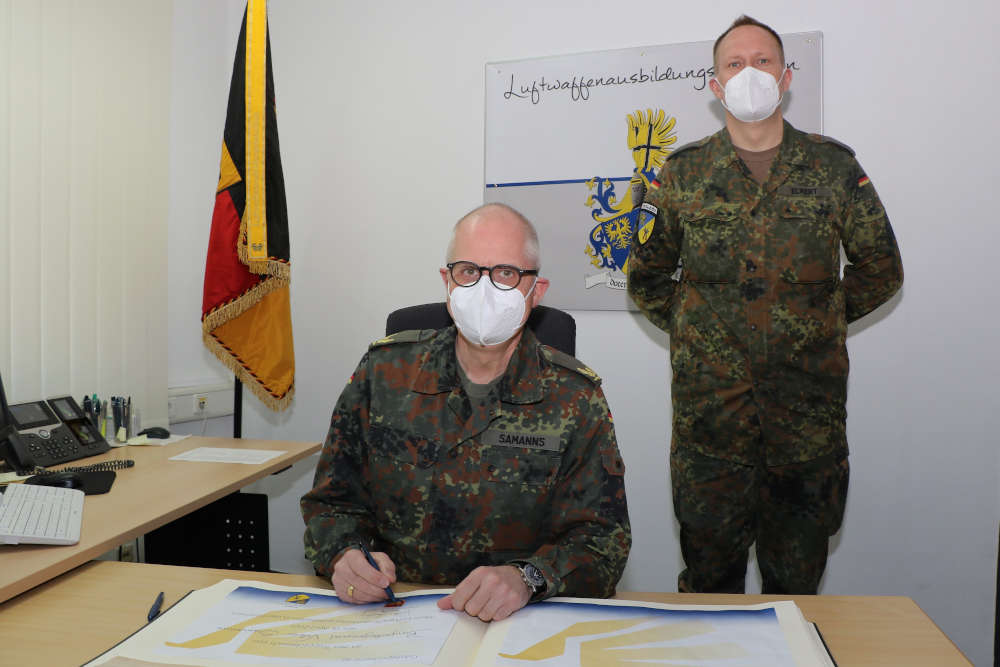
[(246, 317)]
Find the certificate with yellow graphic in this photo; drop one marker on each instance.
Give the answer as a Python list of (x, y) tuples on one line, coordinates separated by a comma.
[(619, 633), (239, 623)]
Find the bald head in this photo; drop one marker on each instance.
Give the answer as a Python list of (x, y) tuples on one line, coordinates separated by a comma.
[(498, 218)]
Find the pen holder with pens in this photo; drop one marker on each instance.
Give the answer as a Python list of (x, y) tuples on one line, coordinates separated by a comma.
[(121, 421)]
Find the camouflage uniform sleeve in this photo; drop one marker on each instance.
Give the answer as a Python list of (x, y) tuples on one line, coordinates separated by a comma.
[(653, 257), (337, 509), (875, 270), (589, 514)]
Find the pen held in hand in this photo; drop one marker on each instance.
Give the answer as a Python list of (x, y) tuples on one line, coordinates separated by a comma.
[(393, 600)]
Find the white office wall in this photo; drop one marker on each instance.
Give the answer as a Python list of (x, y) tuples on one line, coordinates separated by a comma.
[(380, 112), (83, 196)]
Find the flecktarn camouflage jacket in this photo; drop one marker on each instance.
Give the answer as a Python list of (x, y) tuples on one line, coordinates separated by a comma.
[(758, 314), (444, 483)]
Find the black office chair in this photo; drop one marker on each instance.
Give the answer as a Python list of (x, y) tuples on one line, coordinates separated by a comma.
[(552, 327)]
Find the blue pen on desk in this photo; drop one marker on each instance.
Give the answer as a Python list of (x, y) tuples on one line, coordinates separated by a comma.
[(154, 611), (393, 600)]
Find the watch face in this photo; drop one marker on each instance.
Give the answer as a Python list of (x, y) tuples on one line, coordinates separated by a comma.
[(533, 575)]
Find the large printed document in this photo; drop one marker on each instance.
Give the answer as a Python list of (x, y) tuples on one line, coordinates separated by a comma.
[(240, 623)]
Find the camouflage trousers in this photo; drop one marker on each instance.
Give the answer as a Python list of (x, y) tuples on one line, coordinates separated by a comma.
[(790, 511)]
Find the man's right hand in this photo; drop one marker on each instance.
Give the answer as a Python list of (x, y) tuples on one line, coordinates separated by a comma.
[(355, 580)]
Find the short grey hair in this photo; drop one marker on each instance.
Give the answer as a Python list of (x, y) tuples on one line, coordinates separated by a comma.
[(531, 248)]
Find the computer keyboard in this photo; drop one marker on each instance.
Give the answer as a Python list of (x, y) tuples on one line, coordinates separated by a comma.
[(31, 514)]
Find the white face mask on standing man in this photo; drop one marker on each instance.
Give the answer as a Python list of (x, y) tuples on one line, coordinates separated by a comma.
[(752, 95)]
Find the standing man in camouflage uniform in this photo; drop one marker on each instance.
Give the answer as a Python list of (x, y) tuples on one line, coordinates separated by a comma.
[(474, 456), (756, 216)]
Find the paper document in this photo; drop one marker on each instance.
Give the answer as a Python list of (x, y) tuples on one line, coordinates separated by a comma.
[(241, 623), (572, 632), (228, 455)]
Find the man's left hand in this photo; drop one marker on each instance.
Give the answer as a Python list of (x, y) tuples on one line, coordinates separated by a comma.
[(489, 593)]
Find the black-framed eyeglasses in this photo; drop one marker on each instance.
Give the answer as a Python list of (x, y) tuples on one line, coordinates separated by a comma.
[(503, 276)]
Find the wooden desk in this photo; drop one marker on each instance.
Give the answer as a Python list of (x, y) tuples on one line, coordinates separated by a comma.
[(147, 496), (97, 605)]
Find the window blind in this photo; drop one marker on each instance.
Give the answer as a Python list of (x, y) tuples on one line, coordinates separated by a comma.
[(84, 97)]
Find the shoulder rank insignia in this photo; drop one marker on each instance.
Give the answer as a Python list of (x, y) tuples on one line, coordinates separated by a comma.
[(572, 363), (689, 146), (410, 336), (823, 139)]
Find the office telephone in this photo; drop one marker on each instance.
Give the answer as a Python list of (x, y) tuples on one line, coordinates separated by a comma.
[(44, 433), (12, 449)]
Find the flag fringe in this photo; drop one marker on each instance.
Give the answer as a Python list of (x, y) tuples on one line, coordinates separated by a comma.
[(269, 267), (231, 311), (244, 302), (249, 380)]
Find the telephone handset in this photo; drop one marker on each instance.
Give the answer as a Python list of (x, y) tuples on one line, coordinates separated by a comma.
[(12, 449)]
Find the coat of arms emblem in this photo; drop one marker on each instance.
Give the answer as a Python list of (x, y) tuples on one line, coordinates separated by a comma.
[(651, 137)]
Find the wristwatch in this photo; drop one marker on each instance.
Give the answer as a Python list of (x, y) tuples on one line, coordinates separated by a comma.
[(532, 577)]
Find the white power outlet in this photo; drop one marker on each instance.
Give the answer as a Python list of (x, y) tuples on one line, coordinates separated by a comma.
[(194, 403)]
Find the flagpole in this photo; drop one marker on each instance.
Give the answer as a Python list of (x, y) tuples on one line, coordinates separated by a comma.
[(238, 409)]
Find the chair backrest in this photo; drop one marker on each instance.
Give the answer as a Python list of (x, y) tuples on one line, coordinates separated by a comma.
[(551, 326)]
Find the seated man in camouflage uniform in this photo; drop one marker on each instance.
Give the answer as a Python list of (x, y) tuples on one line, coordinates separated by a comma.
[(473, 456)]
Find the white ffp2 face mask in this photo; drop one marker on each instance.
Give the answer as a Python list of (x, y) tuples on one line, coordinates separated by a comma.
[(486, 315), (752, 95)]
